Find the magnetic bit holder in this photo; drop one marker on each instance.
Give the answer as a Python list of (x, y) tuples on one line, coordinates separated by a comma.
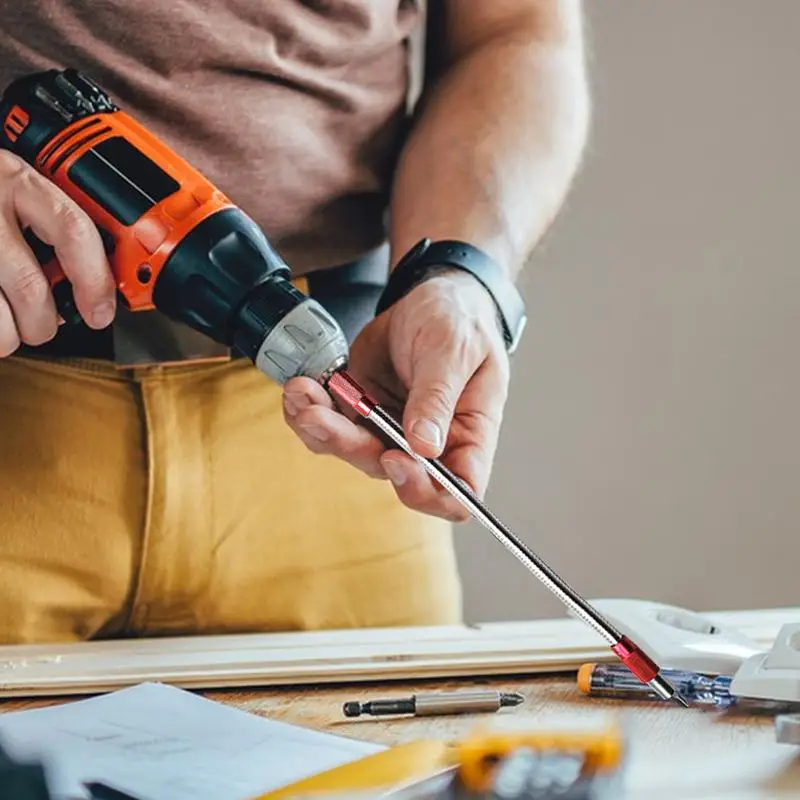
[(678, 638), (774, 675), (422, 705)]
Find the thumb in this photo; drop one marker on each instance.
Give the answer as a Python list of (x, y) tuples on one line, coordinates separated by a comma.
[(437, 382)]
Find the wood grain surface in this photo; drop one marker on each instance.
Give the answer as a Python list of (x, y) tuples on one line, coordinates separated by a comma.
[(685, 744), (546, 698)]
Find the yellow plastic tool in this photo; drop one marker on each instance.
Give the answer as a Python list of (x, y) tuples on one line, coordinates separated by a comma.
[(398, 766), (472, 761)]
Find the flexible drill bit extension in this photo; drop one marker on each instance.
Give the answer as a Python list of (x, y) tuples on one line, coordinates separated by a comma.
[(348, 392)]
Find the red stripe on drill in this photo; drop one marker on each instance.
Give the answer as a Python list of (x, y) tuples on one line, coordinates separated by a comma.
[(636, 660)]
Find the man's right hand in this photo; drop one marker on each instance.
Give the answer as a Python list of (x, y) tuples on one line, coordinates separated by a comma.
[(27, 310)]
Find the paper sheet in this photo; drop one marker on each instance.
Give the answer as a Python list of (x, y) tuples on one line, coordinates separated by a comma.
[(163, 743)]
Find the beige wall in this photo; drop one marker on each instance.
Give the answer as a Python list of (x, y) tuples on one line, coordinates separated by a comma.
[(652, 445)]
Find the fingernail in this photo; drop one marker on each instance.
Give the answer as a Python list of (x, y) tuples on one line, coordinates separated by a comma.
[(428, 431), (315, 432), (103, 315), (395, 472)]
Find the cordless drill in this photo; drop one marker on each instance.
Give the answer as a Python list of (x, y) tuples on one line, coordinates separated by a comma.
[(174, 241)]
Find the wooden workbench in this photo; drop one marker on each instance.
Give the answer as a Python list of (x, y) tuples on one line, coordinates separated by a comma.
[(674, 750)]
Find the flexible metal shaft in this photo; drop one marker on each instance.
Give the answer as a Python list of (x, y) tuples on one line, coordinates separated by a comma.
[(458, 489), (345, 389)]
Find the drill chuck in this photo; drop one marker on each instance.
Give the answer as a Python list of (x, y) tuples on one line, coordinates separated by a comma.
[(287, 334), (225, 280)]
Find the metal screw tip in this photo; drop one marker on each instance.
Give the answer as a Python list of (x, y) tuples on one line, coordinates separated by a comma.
[(511, 699), (352, 709), (679, 700)]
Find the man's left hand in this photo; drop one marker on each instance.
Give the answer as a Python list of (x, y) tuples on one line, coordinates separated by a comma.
[(437, 359)]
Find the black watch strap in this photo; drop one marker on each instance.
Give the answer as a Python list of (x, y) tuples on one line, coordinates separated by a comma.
[(427, 257)]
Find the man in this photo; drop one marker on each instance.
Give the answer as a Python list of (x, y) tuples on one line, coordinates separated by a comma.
[(146, 495)]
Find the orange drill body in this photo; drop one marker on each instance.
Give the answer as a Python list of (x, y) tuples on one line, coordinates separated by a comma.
[(141, 248)]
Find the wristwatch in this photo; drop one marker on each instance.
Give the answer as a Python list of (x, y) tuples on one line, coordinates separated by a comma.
[(427, 258)]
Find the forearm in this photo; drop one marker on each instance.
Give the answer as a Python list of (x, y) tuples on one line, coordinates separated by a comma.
[(492, 155)]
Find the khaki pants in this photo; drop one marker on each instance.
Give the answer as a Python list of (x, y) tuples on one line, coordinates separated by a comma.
[(175, 500)]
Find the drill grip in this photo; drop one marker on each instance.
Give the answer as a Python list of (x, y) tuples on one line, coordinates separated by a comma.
[(59, 285)]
